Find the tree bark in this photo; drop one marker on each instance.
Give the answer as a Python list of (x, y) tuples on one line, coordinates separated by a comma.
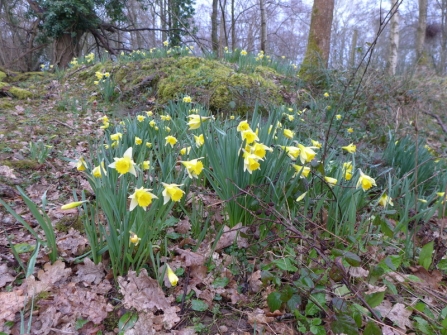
[(263, 26), (65, 48), (214, 27), (421, 55), (353, 48), (394, 38), (318, 44)]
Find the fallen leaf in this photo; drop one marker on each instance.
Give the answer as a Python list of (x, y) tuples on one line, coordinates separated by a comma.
[(358, 272), (230, 235), (71, 244), (258, 317), (11, 302), (5, 275), (255, 282), (90, 272), (432, 279), (7, 172)]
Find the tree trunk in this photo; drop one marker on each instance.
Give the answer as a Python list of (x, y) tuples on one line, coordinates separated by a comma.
[(421, 54), (394, 38), (263, 26), (233, 27), (65, 48), (319, 41), (442, 70), (353, 48), (214, 27)]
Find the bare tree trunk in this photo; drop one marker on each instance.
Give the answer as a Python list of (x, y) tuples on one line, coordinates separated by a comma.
[(263, 26), (214, 27), (65, 48), (353, 52), (318, 44), (223, 28), (421, 55), (233, 27), (394, 38), (443, 38)]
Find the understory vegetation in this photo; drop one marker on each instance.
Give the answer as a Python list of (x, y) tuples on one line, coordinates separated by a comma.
[(161, 191)]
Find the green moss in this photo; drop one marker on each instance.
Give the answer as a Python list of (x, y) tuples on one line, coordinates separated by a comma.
[(5, 103), (24, 164), (2, 75), (20, 93), (67, 222)]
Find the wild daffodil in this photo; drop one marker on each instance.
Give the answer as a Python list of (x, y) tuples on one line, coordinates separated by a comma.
[(194, 167), (292, 152), (172, 277), (187, 99), (141, 118), (249, 136), (350, 130), (97, 171), (260, 149), (145, 165), (306, 153), (347, 170), (124, 164), (73, 204), (134, 239), (251, 162), (185, 151), (138, 140), (172, 192), (303, 170), (365, 181), (385, 200), (315, 144), (243, 125), (171, 140), (195, 121), (288, 133), (351, 148), (116, 136), (200, 140), (141, 197), (331, 181), (81, 165)]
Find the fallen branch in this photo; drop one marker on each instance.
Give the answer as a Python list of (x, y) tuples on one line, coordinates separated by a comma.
[(438, 119)]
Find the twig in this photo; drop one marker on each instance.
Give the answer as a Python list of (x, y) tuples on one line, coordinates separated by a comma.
[(438, 119)]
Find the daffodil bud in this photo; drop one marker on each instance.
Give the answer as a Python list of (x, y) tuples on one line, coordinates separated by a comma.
[(73, 204)]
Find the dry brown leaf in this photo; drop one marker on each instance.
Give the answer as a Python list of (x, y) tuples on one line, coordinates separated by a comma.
[(5, 275), (143, 326), (183, 226), (396, 313), (374, 289), (50, 275), (255, 282), (79, 302), (7, 172), (11, 302), (145, 295), (358, 272), (229, 235), (432, 279), (90, 273), (47, 319), (190, 258), (258, 317), (71, 244)]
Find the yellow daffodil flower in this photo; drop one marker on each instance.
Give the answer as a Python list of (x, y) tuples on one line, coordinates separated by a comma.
[(200, 140), (243, 126), (141, 197), (350, 130), (149, 113), (172, 192), (301, 197), (73, 204), (99, 75), (187, 99), (165, 117), (365, 182), (124, 164), (385, 200), (195, 120), (306, 153), (152, 123), (291, 117), (171, 140), (134, 238), (166, 43), (97, 171), (138, 140), (347, 170), (251, 162), (331, 181), (292, 152), (185, 151), (96, 82), (304, 170), (243, 53), (231, 117), (326, 94), (148, 145), (316, 144), (141, 118), (145, 165), (193, 167), (260, 149), (81, 165), (288, 133), (116, 136), (249, 136), (172, 277), (338, 117), (351, 148)]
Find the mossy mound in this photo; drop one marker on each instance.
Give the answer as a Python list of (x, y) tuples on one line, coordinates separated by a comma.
[(16, 92), (219, 86)]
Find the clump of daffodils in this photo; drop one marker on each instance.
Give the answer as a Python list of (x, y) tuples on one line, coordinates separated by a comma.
[(124, 164)]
